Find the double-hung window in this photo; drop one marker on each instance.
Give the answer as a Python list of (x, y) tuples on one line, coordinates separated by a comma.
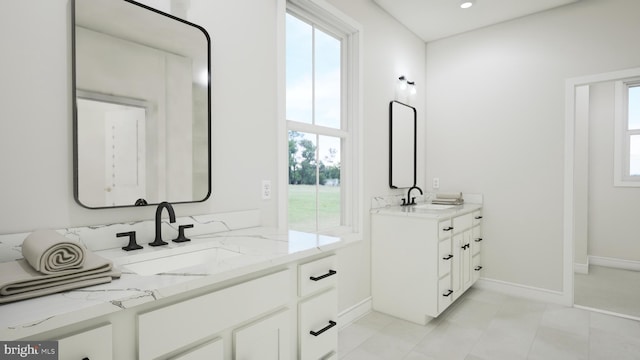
[(321, 117), (627, 151)]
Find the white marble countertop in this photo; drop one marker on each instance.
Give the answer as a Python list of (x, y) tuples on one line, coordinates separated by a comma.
[(258, 249), (420, 211)]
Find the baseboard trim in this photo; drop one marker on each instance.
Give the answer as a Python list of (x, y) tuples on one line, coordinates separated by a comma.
[(614, 263), (529, 292), (606, 312), (581, 268), (355, 312)]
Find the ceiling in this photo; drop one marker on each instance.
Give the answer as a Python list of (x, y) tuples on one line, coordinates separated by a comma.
[(437, 19)]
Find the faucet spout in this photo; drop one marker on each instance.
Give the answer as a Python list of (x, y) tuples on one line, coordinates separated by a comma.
[(411, 200), (172, 218)]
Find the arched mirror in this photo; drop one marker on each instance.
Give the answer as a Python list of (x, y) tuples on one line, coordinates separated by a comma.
[(141, 91), (402, 145)]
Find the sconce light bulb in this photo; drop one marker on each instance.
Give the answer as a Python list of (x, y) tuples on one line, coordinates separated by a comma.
[(403, 82), (412, 87), (465, 4)]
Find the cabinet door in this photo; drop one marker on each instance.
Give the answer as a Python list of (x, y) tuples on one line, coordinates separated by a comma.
[(212, 350), (267, 339), (93, 344)]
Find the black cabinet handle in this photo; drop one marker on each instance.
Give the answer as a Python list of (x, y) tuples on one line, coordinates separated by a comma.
[(331, 324), (478, 268), (447, 257), (478, 240), (330, 273), (449, 292), (465, 246), (85, 358), (448, 228), (478, 217)]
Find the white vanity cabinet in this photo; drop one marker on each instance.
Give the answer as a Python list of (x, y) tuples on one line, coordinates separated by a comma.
[(283, 312), (421, 264)]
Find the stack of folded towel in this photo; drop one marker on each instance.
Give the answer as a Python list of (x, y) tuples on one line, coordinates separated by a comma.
[(448, 199), (52, 263)]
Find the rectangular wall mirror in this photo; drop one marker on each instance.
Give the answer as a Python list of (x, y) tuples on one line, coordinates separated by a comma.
[(402, 145), (142, 113)]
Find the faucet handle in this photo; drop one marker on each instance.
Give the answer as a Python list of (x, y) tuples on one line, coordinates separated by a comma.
[(181, 237), (132, 241)]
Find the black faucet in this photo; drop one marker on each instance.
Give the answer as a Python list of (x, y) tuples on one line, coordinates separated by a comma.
[(172, 218), (411, 200)]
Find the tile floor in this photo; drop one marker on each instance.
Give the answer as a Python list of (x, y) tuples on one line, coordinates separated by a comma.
[(484, 325), (609, 289)]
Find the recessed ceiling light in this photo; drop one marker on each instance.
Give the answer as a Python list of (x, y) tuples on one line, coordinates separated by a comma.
[(465, 4)]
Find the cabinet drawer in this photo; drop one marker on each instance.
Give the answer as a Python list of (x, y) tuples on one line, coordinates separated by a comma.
[(476, 240), (95, 344), (318, 327), (317, 275), (175, 326), (212, 350), (445, 257), (445, 293), (462, 223), (445, 229), (476, 267), (477, 217)]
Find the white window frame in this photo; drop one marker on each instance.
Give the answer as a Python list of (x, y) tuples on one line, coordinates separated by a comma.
[(321, 12), (621, 177)]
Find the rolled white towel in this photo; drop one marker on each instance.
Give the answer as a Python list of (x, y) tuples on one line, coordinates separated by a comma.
[(49, 252)]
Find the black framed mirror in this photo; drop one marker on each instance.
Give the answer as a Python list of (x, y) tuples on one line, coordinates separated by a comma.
[(141, 106), (402, 145)]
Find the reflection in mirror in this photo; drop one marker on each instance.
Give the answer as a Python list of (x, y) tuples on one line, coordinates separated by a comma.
[(141, 106), (402, 145)]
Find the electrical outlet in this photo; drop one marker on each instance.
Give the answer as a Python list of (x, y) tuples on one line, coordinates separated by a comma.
[(436, 183), (266, 189)]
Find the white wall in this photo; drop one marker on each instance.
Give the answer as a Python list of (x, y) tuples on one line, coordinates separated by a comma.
[(36, 125), (613, 211), (390, 50), (495, 123)]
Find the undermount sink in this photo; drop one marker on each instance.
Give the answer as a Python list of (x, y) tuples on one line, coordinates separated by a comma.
[(434, 206), (169, 262)]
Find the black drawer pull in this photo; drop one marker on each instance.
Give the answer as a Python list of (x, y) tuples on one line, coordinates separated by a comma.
[(465, 246), (331, 272), (478, 240), (448, 228), (449, 292), (478, 268), (331, 324), (478, 217), (447, 257)]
